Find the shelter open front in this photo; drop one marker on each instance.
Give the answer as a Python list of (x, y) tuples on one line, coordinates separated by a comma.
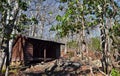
[(35, 50)]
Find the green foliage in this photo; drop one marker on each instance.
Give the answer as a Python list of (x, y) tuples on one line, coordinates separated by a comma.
[(1, 8), (114, 34), (4, 5), (20, 18), (34, 20), (95, 45), (52, 28), (23, 5), (116, 30), (63, 1), (76, 13), (61, 7), (23, 17), (65, 22), (50, 13), (24, 22), (58, 18), (3, 70), (72, 44), (5, 1), (115, 72)]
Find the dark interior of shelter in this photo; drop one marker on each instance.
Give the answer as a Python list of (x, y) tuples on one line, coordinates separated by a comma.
[(35, 50)]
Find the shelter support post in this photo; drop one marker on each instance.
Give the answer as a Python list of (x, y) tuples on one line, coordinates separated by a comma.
[(44, 55)]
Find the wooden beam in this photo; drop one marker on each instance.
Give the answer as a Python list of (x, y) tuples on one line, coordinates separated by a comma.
[(44, 55)]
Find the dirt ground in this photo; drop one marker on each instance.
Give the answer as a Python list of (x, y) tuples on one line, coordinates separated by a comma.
[(60, 67), (65, 66)]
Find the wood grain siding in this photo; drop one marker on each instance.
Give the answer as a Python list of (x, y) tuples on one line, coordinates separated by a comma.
[(17, 52)]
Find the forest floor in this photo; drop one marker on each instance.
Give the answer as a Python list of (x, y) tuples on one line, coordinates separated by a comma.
[(64, 66), (52, 69)]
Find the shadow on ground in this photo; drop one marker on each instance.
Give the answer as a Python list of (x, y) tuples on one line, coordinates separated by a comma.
[(58, 70)]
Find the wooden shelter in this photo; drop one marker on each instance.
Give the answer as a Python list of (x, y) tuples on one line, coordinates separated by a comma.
[(27, 49)]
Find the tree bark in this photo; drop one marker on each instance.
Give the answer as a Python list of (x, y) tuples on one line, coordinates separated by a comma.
[(7, 31), (65, 51), (104, 48), (83, 41)]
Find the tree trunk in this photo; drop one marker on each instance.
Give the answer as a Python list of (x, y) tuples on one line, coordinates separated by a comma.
[(7, 31), (83, 48), (65, 52), (7, 58), (104, 48)]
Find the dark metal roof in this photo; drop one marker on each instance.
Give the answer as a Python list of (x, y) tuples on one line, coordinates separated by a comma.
[(33, 38), (45, 40)]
